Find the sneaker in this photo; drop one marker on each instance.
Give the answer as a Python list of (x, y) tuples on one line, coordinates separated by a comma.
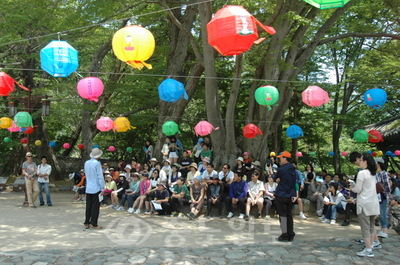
[(259, 216), (319, 212), (345, 223), (137, 211), (365, 253), (174, 214), (152, 212), (360, 241), (130, 210), (220, 216), (32, 207), (241, 216), (302, 216), (230, 215), (112, 206), (322, 218), (84, 201), (247, 217), (326, 221), (333, 221), (147, 212), (267, 217), (381, 234), (376, 245), (181, 215), (209, 216), (191, 215), (121, 208)]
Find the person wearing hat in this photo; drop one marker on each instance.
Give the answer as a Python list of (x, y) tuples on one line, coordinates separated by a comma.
[(237, 195), (395, 211), (29, 170), (167, 166), (81, 191), (240, 167), (197, 193), (109, 186), (132, 193), (192, 174), (285, 194), (43, 172), (203, 166), (94, 188), (161, 196), (215, 196), (116, 196), (248, 162), (383, 177), (174, 174)]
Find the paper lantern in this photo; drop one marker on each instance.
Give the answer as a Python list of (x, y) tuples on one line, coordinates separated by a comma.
[(111, 148), (299, 154), (23, 141), (312, 154), (266, 95), (7, 84), (204, 128), (233, 30), (360, 136), (397, 152), (105, 124), (90, 88), (375, 136), (375, 98), (294, 131), (5, 122), (122, 124), (170, 128), (38, 143), (96, 146), (331, 153), (315, 96), (14, 128), (374, 153), (369, 152), (7, 139), (28, 130), (272, 154), (344, 153), (23, 119), (251, 131), (66, 145), (324, 4), (134, 45), (129, 149), (171, 90), (379, 153), (388, 153), (53, 144), (81, 146), (59, 59)]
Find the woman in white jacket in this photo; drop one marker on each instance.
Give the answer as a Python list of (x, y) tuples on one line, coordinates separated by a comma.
[(367, 203), (335, 203)]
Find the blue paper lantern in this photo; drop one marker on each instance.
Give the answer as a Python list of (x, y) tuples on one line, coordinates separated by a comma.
[(52, 144), (171, 90), (375, 98), (96, 146), (294, 131), (331, 153), (369, 152), (59, 59), (388, 153)]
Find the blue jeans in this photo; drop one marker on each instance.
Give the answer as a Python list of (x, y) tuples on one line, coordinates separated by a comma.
[(382, 216), (332, 209), (46, 189)]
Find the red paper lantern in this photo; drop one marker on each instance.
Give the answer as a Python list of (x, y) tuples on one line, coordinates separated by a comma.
[(7, 84), (111, 148), (314, 96), (29, 130), (81, 146), (375, 136), (374, 153), (251, 131), (233, 30), (24, 141)]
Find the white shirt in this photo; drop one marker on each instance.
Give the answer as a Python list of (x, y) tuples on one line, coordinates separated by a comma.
[(207, 175), (255, 188), (44, 169), (228, 176), (367, 201)]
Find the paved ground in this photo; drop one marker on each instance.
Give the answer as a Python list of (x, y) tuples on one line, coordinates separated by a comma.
[(55, 235)]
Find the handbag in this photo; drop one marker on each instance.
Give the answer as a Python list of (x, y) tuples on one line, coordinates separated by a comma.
[(379, 187)]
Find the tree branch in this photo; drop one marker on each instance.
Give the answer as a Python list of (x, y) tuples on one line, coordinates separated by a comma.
[(359, 35)]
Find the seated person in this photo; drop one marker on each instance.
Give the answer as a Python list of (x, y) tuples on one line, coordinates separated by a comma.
[(237, 195), (208, 173), (180, 196), (184, 163), (215, 194), (109, 186), (173, 175), (161, 195), (203, 165), (192, 174), (226, 175), (255, 191), (316, 191), (132, 193), (81, 192), (116, 195), (197, 198), (394, 210), (144, 186), (269, 195), (154, 180), (335, 203)]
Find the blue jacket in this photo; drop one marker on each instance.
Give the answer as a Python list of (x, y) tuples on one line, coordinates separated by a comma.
[(288, 176), (238, 189)]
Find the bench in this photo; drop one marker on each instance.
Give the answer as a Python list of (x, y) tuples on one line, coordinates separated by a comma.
[(3, 184)]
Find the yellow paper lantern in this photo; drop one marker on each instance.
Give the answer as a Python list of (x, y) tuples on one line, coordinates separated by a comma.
[(134, 45), (122, 124), (272, 154), (379, 153), (38, 143), (5, 123)]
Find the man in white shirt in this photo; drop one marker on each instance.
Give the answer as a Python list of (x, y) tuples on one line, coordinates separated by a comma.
[(208, 173), (256, 191), (43, 172), (226, 175)]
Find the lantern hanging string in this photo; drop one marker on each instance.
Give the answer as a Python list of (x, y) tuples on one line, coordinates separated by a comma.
[(65, 32)]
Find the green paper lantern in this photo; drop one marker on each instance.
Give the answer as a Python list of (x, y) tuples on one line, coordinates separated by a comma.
[(7, 139), (170, 128), (325, 4), (266, 95), (360, 136), (23, 119), (312, 154), (129, 149)]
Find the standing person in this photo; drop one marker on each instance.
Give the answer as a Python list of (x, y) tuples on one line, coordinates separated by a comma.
[(285, 193), (165, 149), (185, 163), (29, 170), (367, 203), (44, 171), (148, 150), (383, 177), (94, 188)]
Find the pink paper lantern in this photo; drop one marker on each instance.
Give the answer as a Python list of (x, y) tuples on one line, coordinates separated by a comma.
[(14, 128), (344, 153), (90, 88), (104, 124), (111, 148), (204, 128), (315, 96), (299, 154), (397, 152), (66, 146)]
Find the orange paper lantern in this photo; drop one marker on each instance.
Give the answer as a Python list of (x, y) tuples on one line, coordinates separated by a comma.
[(7, 84)]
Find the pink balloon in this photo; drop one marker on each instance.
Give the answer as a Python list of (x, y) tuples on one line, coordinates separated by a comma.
[(204, 128), (111, 148), (344, 153), (14, 128), (90, 88), (315, 96), (299, 154), (66, 146), (397, 152), (104, 124)]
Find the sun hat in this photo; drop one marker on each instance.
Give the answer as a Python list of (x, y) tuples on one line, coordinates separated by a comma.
[(167, 160), (206, 159), (256, 163), (108, 176), (96, 153), (285, 154), (153, 159), (29, 154), (82, 170), (246, 153), (397, 198), (162, 184), (240, 159), (193, 165), (379, 160)]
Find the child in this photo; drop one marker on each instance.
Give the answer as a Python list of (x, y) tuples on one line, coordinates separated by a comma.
[(395, 211)]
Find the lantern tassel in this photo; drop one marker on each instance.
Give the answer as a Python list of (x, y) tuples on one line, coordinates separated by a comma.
[(21, 86), (268, 29), (139, 65)]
